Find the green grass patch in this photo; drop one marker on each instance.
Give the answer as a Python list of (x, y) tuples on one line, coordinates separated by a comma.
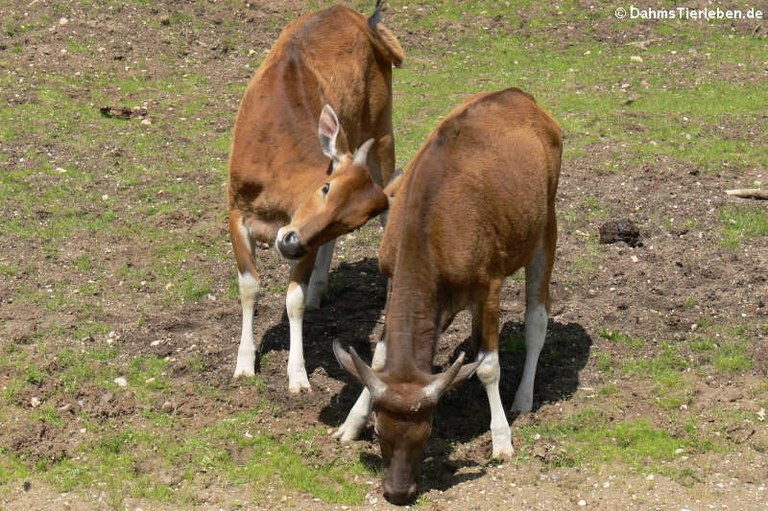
[(671, 386), (589, 438), (741, 222), (622, 338), (733, 357), (125, 461)]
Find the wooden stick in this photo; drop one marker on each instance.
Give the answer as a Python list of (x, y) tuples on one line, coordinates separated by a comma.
[(749, 193)]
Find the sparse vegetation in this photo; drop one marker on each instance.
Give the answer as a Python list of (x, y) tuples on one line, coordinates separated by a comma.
[(119, 295)]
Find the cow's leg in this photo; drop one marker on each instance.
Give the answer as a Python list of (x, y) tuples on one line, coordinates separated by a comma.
[(537, 275), (383, 169), (318, 283), (248, 280), (361, 411), (485, 323), (295, 301)]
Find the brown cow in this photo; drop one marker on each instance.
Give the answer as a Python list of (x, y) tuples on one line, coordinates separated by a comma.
[(329, 75), (476, 204)]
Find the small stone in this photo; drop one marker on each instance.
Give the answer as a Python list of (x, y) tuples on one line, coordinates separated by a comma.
[(121, 381), (35, 402), (582, 503)]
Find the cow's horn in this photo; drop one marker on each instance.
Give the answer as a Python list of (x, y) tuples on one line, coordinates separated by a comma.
[(443, 381), (361, 155), (356, 367)]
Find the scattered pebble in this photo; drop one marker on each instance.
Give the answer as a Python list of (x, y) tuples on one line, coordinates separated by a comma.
[(582, 503), (35, 402), (121, 381)]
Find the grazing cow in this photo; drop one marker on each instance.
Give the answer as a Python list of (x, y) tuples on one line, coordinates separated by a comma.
[(329, 75), (476, 204)]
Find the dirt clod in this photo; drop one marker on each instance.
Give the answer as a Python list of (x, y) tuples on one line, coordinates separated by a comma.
[(622, 230)]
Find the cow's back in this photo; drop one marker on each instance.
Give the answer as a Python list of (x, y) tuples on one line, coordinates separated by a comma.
[(333, 57), (330, 57), (478, 194)]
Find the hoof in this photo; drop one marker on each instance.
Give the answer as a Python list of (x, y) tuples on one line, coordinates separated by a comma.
[(299, 388), (243, 373), (504, 454), (346, 434), (520, 406)]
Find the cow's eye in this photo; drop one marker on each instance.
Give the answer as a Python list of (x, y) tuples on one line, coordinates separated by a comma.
[(324, 190)]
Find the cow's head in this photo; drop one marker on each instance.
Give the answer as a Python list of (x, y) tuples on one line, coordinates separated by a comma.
[(341, 203), (404, 409)]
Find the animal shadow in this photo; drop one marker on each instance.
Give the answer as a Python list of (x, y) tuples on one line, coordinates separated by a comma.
[(350, 312), (464, 414)]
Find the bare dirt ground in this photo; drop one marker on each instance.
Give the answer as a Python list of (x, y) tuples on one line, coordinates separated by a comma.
[(660, 291)]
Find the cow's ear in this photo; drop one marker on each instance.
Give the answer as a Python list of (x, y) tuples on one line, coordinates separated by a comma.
[(395, 182), (328, 129)]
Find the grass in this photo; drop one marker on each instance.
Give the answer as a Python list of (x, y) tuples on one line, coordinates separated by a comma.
[(622, 338), (742, 222), (589, 438), (667, 117)]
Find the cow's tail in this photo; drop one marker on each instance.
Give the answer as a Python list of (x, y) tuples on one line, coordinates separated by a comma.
[(384, 40), (375, 18)]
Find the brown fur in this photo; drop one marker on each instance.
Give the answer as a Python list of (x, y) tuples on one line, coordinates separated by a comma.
[(470, 210), (331, 56)]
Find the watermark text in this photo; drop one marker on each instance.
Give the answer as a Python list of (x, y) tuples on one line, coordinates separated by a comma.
[(689, 13)]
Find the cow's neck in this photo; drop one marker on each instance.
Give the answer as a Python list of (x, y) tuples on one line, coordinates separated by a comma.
[(412, 314)]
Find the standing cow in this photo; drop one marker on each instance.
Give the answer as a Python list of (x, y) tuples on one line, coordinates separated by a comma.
[(476, 204), (328, 76)]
